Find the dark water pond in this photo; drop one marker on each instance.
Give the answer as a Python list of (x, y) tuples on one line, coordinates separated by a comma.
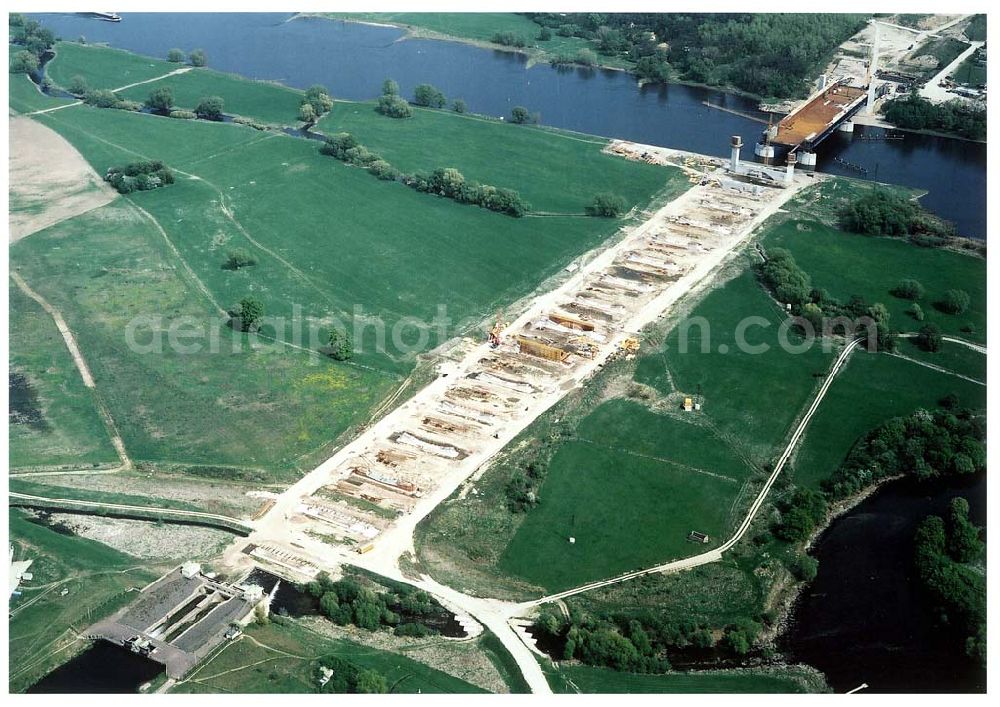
[(353, 59), (864, 618), (104, 668)]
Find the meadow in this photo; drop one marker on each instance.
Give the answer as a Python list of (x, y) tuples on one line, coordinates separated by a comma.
[(847, 264), (749, 395), (281, 659), (570, 679), (44, 622), (324, 254), (58, 422), (871, 389)]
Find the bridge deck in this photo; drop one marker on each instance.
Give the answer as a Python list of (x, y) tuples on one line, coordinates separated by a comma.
[(816, 115)]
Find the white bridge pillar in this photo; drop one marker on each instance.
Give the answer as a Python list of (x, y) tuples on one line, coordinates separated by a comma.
[(735, 142)]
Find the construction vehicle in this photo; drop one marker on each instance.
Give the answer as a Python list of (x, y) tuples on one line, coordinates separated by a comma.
[(629, 345), (497, 330)]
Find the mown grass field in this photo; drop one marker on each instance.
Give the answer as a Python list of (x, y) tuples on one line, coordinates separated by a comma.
[(264, 408), (22, 485), (332, 243), (846, 264), (629, 490), (104, 67), (870, 390), (65, 427), (751, 394), (951, 356), (479, 28), (520, 157), (281, 659), (42, 633), (322, 247), (571, 679)]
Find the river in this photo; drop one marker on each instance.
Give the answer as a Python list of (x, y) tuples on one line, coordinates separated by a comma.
[(352, 59), (864, 619)]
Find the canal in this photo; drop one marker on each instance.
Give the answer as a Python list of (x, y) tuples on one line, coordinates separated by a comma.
[(864, 619), (352, 60), (104, 668)]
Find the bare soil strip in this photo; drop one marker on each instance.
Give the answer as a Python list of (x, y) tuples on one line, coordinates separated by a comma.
[(49, 180)]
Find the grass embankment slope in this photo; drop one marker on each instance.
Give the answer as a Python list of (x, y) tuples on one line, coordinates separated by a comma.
[(629, 474), (54, 418), (571, 679), (328, 238), (281, 659), (479, 28), (95, 577), (23, 95)]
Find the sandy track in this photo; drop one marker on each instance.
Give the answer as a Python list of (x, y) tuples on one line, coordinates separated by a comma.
[(49, 180)]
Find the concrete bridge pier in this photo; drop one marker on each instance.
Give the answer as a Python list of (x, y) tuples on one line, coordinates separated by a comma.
[(846, 127), (790, 167), (807, 159), (764, 151)]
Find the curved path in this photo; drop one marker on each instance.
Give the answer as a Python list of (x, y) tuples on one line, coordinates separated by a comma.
[(716, 554)]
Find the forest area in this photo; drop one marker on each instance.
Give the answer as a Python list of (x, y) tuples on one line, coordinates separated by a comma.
[(768, 55)]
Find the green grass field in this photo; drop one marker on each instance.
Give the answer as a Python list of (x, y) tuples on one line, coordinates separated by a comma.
[(44, 623), (971, 72), (629, 491), (571, 679), (324, 251), (952, 356), (479, 27), (871, 389), (281, 659), (846, 264), (751, 396), (520, 157), (65, 427), (108, 268), (55, 491), (24, 96), (103, 67)]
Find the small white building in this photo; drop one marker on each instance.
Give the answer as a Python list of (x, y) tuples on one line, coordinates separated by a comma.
[(190, 570)]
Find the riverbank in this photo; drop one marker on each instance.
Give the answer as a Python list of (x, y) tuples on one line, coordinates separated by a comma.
[(879, 122)]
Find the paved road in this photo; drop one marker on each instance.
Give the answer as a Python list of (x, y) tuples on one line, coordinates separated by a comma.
[(936, 93)]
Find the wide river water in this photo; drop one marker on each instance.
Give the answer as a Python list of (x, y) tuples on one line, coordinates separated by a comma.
[(864, 618), (352, 59)]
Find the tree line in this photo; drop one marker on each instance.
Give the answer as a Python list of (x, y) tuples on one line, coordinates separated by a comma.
[(447, 182), (36, 40), (945, 555), (956, 117), (767, 54), (881, 212)]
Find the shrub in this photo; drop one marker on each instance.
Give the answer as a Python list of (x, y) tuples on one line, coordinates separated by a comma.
[(545, 34), (607, 205), (307, 114), (414, 630), (908, 289), (954, 302), (508, 39), (805, 567), (175, 56), (929, 338), (383, 170), (390, 88), (520, 115), (428, 96), (393, 106), (916, 311), (246, 315), (458, 105), (210, 108), (318, 96), (567, 30), (101, 98), (77, 86), (587, 57), (198, 58), (161, 99), (239, 258), (183, 114), (786, 280), (139, 176), (341, 345), (250, 122), (23, 62), (128, 105)]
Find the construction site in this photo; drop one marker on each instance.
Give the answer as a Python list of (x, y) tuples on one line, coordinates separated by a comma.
[(362, 504)]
